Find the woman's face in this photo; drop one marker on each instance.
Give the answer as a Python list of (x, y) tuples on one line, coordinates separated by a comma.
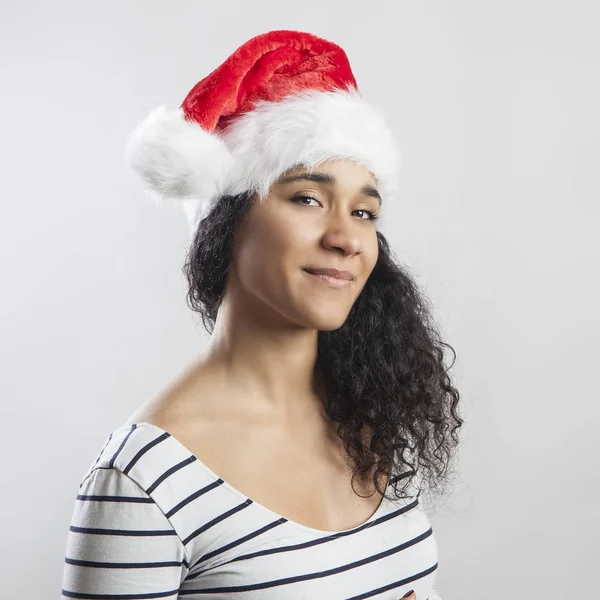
[(307, 224)]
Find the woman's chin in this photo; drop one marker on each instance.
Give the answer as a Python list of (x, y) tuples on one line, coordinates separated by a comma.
[(325, 322)]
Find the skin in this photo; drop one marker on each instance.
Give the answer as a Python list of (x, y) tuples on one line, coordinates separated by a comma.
[(249, 405), (272, 304)]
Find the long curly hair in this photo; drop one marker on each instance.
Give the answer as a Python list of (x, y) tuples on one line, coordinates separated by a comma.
[(381, 373)]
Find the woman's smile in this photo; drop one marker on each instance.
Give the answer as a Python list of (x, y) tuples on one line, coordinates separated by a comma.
[(336, 282)]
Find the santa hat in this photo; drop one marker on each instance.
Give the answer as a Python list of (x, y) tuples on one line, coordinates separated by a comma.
[(283, 99)]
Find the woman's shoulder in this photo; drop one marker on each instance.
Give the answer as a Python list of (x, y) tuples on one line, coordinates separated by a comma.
[(138, 443), (194, 395), (149, 437), (144, 454)]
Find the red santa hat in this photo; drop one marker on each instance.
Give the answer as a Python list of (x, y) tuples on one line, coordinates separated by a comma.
[(283, 99)]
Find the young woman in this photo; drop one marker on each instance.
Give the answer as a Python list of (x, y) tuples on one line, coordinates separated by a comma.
[(287, 460)]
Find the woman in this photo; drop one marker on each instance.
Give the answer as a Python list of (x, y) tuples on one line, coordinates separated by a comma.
[(286, 460)]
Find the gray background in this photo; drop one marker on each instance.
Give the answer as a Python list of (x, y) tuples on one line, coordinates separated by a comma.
[(495, 105)]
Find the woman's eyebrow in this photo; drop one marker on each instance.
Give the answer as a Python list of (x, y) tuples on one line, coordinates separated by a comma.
[(367, 189)]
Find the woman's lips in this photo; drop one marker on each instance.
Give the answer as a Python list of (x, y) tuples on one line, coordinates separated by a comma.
[(336, 282)]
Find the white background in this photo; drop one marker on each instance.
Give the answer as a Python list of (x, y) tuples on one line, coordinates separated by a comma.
[(495, 106)]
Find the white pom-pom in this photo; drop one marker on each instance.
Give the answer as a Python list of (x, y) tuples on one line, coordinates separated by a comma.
[(177, 159)]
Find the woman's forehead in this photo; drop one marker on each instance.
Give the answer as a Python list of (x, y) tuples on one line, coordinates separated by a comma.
[(330, 171)]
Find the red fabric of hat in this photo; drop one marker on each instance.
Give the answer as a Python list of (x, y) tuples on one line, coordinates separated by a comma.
[(269, 67)]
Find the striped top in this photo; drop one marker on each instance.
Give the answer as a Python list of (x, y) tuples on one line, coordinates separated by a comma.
[(152, 521)]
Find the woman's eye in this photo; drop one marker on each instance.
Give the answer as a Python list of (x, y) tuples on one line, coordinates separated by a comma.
[(296, 198), (372, 216)]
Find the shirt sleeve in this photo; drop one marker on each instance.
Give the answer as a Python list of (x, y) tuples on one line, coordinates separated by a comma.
[(120, 543)]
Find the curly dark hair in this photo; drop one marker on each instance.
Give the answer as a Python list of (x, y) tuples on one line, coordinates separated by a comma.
[(381, 372)]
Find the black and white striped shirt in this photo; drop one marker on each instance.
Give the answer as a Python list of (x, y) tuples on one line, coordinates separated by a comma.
[(152, 521)]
